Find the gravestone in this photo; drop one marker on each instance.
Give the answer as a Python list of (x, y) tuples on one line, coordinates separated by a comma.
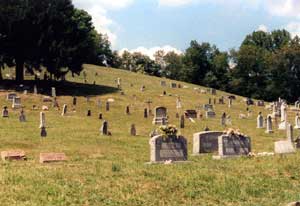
[(269, 128), (127, 111), (177, 115), (43, 132), (74, 102), (99, 103), (143, 88), (297, 121), (182, 122), (210, 114), (89, 113), (16, 103), (233, 145), (173, 85), (260, 121), (208, 107), (221, 100), (107, 106), (55, 103), (52, 157), (260, 103), (168, 148), (223, 119), (35, 90), (290, 133), (160, 116), (283, 117), (178, 103), (209, 100), (119, 83), (22, 117), (145, 113), (213, 91), (47, 99), (206, 142), (132, 130), (13, 155), (284, 147), (104, 128), (230, 102), (11, 96), (190, 114), (53, 92), (42, 120), (64, 111), (163, 83), (5, 112), (100, 116)]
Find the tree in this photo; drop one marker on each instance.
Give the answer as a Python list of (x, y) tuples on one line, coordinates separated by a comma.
[(174, 65)]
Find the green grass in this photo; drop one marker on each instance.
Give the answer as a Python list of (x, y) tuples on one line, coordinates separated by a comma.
[(112, 170)]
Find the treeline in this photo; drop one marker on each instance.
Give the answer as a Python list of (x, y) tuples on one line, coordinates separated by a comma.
[(266, 66)]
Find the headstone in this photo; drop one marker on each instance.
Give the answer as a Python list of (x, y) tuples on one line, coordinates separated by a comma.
[(22, 117), (5, 112), (168, 148), (233, 145), (64, 111), (215, 101), (13, 155), (53, 92), (132, 130), (89, 113), (260, 121), (25, 92), (284, 147), (127, 111), (74, 101), (99, 103), (164, 93), (163, 83), (11, 96), (213, 91), (52, 157), (208, 107), (260, 103), (221, 100), (178, 103), (206, 142), (142, 88), (190, 114), (55, 103), (209, 101), (269, 128), (297, 121), (145, 113), (16, 103), (223, 119), (100, 116), (182, 122), (104, 128), (119, 83), (42, 120), (229, 102), (35, 91), (173, 85), (210, 114), (43, 132), (177, 115), (107, 106), (289, 133), (160, 116)]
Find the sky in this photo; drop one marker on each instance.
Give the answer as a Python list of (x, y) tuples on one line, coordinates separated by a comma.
[(150, 25)]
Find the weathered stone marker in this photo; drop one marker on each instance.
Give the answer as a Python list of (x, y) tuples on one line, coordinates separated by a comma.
[(145, 113), (269, 128), (22, 117), (43, 132), (52, 157), (100, 116), (206, 142), (13, 155), (42, 120), (182, 122), (64, 111), (260, 121), (5, 112), (127, 110), (107, 106), (169, 148), (53, 92), (89, 113), (74, 102), (104, 128), (132, 130)]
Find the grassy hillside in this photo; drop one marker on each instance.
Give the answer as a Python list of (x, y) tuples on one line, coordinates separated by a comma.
[(112, 171)]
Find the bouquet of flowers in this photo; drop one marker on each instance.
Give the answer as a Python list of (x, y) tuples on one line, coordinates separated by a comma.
[(168, 130)]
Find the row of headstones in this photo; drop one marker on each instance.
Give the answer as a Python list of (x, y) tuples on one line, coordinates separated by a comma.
[(44, 157)]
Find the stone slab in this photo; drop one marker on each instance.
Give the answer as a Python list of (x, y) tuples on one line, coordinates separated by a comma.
[(13, 155), (52, 157)]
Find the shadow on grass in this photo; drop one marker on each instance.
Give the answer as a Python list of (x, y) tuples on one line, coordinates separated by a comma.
[(63, 88)]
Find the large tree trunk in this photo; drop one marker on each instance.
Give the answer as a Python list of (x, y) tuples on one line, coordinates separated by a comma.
[(19, 70)]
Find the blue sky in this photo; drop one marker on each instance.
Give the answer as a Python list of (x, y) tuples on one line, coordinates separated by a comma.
[(149, 25)]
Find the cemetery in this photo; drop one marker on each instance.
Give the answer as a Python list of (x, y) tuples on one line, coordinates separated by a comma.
[(116, 141)]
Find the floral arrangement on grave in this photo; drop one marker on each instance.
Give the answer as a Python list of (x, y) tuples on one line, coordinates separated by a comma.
[(168, 130), (233, 132)]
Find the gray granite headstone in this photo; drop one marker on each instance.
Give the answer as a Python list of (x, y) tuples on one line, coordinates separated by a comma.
[(206, 142), (169, 148)]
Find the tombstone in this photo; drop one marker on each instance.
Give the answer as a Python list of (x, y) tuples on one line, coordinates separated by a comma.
[(74, 102), (43, 132), (209, 101), (260, 103), (13, 155), (22, 117), (35, 90), (260, 121), (5, 112), (119, 83), (127, 111), (145, 113), (249, 101), (16, 103), (88, 98), (210, 114), (233, 145), (53, 92), (178, 103), (55, 103), (269, 128), (206, 142), (52, 157), (290, 133), (215, 101), (168, 149), (229, 102), (132, 130), (284, 147), (177, 115), (173, 85), (213, 91), (64, 111), (297, 121), (107, 106), (182, 122), (208, 107), (25, 92), (142, 88), (221, 100), (100, 116), (160, 116), (89, 113), (190, 114), (163, 83), (42, 120), (104, 128), (99, 103), (223, 119), (11, 96)]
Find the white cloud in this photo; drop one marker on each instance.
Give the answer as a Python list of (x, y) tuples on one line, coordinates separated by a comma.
[(151, 51), (294, 28), (98, 10), (262, 28), (174, 2), (284, 8)]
